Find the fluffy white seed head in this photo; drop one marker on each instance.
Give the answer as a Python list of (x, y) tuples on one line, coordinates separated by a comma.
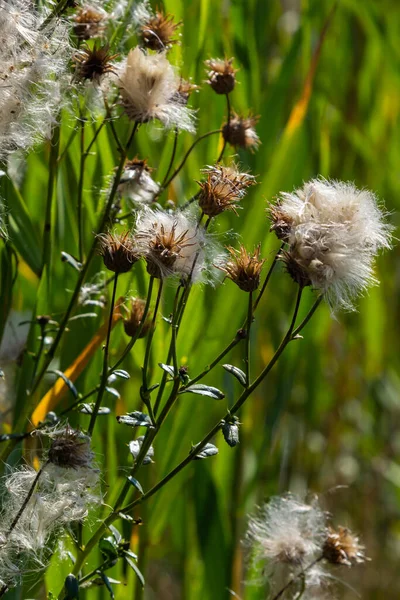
[(137, 184), (173, 245), (286, 531), (333, 231), (148, 86)]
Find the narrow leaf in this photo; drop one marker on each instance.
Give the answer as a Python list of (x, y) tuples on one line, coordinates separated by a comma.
[(67, 381), (135, 419), (87, 409), (136, 569), (136, 484), (168, 369), (206, 452), (121, 373), (204, 390), (238, 373), (65, 257), (107, 584)]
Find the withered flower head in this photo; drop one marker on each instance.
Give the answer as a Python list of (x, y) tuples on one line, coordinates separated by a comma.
[(171, 244), (221, 75), (295, 268), (244, 268), (223, 189), (157, 32), (118, 251), (281, 222), (342, 547), (70, 449), (89, 22), (184, 90), (240, 132), (92, 64), (134, 319)]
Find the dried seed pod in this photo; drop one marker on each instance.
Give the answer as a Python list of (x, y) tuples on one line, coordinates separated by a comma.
[(118, 251), (158, 31), (89, 22), (70, 449), (134, 319), (223, 189), (92, 64), (342, 547), (244, 268), (221, 75), (240, 132)]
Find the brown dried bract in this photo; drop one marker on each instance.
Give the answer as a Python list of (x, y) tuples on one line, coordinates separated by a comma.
[(281, 223), (240, 132), (244, 268), (133, 321), (223, 189), (158, 32), (118, 251), (92, 64), (221, 75), (70, 450), (294, 268), (89, 23), (342, 547)]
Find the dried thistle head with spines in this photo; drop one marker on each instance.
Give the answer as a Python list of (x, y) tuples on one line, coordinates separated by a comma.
[(244, 268), (221, 75), (184, 90), (223, 189), (92, 63), (70, 449), (118, 251), (239, 132), (89, 22), (342, 547), (134, 318), (158, 31)]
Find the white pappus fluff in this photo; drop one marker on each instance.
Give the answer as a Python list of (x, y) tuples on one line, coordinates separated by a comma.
[(175, 245), (32, 62), (148, 87), (137, 185), (334, 231)]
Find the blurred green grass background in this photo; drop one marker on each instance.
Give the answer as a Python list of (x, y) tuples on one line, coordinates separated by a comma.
[(326, 421)]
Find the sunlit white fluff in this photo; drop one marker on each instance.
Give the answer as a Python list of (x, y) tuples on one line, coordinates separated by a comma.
[(334, 231), (138, 185), (174, 245), (32, 62), (148, 87)]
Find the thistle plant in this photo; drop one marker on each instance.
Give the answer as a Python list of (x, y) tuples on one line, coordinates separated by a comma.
[(97, 87)]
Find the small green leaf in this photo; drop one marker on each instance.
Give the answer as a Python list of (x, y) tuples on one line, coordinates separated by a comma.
[(121, 373), (135, 419), (136, 569), (168, 369), (107, 584), (136, 484), (65, 257), (206, 452), (116, 534), (71, 587), (204, 390), (108, 548), (67, 381), (238, 373), (231, 433)]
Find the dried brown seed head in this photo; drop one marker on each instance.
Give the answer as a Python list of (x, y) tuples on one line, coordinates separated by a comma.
[(158, 32), (294, 267), (134, 319), (281, 222), (342, 547), (184, 90), (221, 75), (240, 132), (165, 247), (92, 64), (223, 189), (244, 268), (118, 251), (70, 449), (89, 22)]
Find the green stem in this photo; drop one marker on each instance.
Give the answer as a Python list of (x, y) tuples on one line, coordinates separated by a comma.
[(247, 346), (268, 277), (296, 577), (47, 233), (149, 342), (178, 169), (228, 105), (104, 377), (25, 502), (80, 187), (171, 162)]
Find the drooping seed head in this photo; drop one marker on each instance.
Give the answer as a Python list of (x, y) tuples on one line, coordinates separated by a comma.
[(240, 132)]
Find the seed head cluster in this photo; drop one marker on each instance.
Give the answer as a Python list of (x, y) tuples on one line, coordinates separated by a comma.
[(333, 232)]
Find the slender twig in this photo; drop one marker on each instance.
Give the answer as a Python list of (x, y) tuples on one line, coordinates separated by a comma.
[(47, 233), (268, 277), (308, 316), (228, 106), (178, 169), (149, 342), (104, 377), (39, 352), (296, 577), (171, 162), (26, 500), (80, 186), (247, 345)]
